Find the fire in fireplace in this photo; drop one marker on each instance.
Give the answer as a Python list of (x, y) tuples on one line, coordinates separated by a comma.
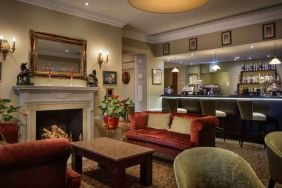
[(59, 123)]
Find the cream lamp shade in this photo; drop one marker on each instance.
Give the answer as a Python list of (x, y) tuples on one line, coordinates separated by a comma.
[(275, 61), (167, 6), (175, 69)]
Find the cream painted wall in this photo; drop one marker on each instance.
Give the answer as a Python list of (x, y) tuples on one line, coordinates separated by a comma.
[(242, 35), (18, 18)]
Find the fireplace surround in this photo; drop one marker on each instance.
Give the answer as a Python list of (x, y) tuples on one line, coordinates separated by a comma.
[(34, 99)]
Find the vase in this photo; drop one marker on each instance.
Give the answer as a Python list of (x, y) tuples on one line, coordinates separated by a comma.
[(111, 122)]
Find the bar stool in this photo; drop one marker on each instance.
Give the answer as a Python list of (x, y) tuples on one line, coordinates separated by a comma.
[(208, 107), (173, 106), (248, 116)]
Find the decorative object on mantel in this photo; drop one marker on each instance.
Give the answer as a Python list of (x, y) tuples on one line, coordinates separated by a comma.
[(112, 109), (125, 77), (23, 77), (101, 59), (5, 47), (92, 80)]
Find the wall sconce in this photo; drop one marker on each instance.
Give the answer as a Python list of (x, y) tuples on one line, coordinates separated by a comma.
[(5, 47), (102, 58)]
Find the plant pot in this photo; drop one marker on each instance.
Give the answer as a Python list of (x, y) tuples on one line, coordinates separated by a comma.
[(10, 130), (112, 122)]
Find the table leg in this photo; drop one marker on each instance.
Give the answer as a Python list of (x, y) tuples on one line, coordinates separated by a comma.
[(118, 177), (76, 161), (146, 170)]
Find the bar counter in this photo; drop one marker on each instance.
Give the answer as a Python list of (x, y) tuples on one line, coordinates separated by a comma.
[(270, 106)]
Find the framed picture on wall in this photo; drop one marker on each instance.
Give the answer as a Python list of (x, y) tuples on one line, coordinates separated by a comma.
[(109, 91), (157, 76), (109, 77), (268, 31), (226, 38), (166, 49), (193, 44)]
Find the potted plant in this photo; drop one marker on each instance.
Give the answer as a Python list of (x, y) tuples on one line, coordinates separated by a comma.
[(6, 111), (112, 109)]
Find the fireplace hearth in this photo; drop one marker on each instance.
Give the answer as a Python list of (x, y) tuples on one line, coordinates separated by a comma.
[(57, 123)]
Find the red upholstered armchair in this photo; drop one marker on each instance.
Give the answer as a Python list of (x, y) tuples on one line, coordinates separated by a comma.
[(37, 164)]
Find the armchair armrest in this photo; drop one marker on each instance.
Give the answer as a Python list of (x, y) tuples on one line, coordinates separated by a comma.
[(138, 120), (203, 130), (73, 179)]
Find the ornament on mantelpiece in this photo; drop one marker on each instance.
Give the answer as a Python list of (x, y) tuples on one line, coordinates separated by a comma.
[(92, 80), (23, 77)]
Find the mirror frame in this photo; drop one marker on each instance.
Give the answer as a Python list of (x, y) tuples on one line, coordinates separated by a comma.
[(34, 36)]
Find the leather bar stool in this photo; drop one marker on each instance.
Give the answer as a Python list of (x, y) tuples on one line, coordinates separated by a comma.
[(248, 116), (173, 106), (208, 107)]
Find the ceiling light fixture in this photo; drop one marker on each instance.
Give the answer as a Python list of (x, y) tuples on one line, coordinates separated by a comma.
[(169, 6), (275, 60), (86, 4), (175, 69)]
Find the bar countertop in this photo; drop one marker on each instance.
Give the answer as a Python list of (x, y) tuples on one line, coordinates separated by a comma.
[(226, 97)]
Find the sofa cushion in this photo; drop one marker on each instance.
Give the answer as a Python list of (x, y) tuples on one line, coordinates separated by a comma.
[(161, 137), (180, 125), (159, 120)]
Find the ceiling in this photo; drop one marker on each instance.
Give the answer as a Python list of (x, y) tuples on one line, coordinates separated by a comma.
[(120, 12)]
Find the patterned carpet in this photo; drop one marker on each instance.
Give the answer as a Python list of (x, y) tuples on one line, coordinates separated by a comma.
[(163, 175)]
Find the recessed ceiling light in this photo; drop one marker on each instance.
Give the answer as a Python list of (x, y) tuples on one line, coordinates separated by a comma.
[(237, 57), (252, 46), (268, 56), (250, 58), (66, 50), (86, 4)]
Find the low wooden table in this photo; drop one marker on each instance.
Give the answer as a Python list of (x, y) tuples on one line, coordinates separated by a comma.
[(115, 155)]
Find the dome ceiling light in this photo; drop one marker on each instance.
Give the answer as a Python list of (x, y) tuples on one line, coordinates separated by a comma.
[(168, 6)]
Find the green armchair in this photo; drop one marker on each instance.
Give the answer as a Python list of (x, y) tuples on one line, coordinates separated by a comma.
[(213, 167)]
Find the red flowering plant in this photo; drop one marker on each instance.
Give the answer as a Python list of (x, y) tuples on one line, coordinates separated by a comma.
[(111, 106)]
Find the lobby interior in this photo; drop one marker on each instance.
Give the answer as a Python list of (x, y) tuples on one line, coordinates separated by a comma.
[(116, 48)]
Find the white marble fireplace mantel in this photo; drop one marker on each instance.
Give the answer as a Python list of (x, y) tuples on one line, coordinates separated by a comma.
[(41, 98)]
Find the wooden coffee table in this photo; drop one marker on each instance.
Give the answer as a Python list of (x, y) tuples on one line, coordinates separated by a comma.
[(116, 156)]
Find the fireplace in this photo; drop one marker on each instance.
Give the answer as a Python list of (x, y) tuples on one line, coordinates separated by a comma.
[(70, 121), (72, 107)]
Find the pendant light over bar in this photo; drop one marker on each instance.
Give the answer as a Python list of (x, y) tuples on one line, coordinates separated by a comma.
[(167, 6), (175, 69), (275, 60)]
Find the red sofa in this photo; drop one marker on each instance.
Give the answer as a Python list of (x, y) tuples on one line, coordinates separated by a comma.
[(35, 164), (172, 143)]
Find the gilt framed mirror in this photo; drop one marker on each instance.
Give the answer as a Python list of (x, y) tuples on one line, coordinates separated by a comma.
[(57, 56)]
